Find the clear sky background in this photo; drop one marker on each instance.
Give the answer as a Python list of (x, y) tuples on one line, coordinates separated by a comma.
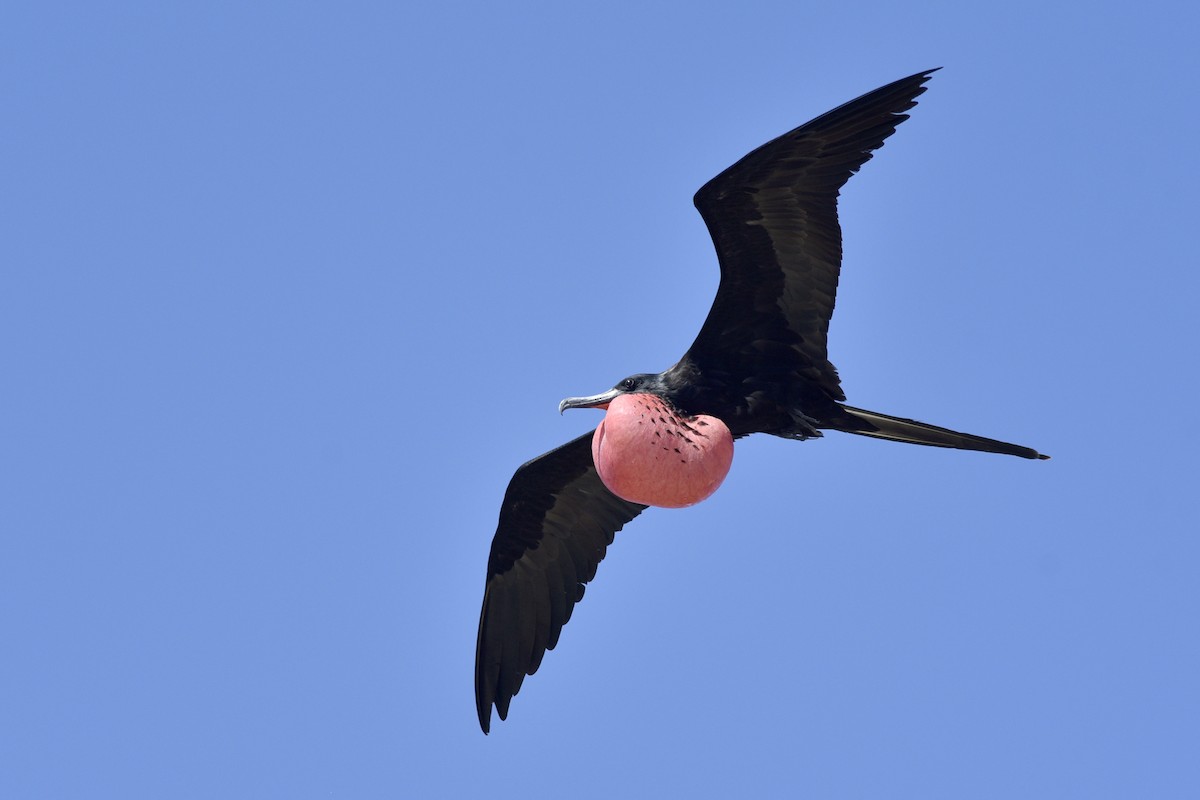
[(288, 291)]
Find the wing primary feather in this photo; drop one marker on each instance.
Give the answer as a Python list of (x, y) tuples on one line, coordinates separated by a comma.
[(556, 522), (773, 220)]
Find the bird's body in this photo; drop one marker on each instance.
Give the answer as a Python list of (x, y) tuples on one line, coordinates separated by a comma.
[(758, 365)]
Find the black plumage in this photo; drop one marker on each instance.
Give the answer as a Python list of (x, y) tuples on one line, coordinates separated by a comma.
[(759, 364)]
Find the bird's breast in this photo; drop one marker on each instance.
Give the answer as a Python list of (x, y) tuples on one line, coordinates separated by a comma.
[(647, 453)]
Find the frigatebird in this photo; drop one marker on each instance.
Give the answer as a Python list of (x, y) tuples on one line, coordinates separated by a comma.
[(759, 365)]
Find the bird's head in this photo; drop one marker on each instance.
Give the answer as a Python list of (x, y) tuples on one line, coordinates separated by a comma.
[(642, 383)]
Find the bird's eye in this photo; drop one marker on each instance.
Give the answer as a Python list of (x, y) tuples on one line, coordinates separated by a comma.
[(628, 383)]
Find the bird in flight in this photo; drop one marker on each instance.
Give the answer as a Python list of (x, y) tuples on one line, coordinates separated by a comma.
[(758, 365)]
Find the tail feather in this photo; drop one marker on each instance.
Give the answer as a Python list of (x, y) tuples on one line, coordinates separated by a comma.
[(898, 429)]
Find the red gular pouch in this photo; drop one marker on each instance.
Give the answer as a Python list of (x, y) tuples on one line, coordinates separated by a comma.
[(647, 453)]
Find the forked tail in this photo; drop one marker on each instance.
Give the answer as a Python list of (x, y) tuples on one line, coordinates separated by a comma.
[(898, 429)]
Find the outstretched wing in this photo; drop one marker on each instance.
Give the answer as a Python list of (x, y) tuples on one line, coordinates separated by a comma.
[(556, 522), (773, 220)]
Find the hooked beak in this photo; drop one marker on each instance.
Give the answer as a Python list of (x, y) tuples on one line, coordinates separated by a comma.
[(595, 401)]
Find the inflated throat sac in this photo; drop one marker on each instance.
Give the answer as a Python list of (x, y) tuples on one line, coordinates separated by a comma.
[(646, 453)]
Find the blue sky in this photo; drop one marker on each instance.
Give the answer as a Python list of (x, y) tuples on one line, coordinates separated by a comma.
[(288, 291)]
